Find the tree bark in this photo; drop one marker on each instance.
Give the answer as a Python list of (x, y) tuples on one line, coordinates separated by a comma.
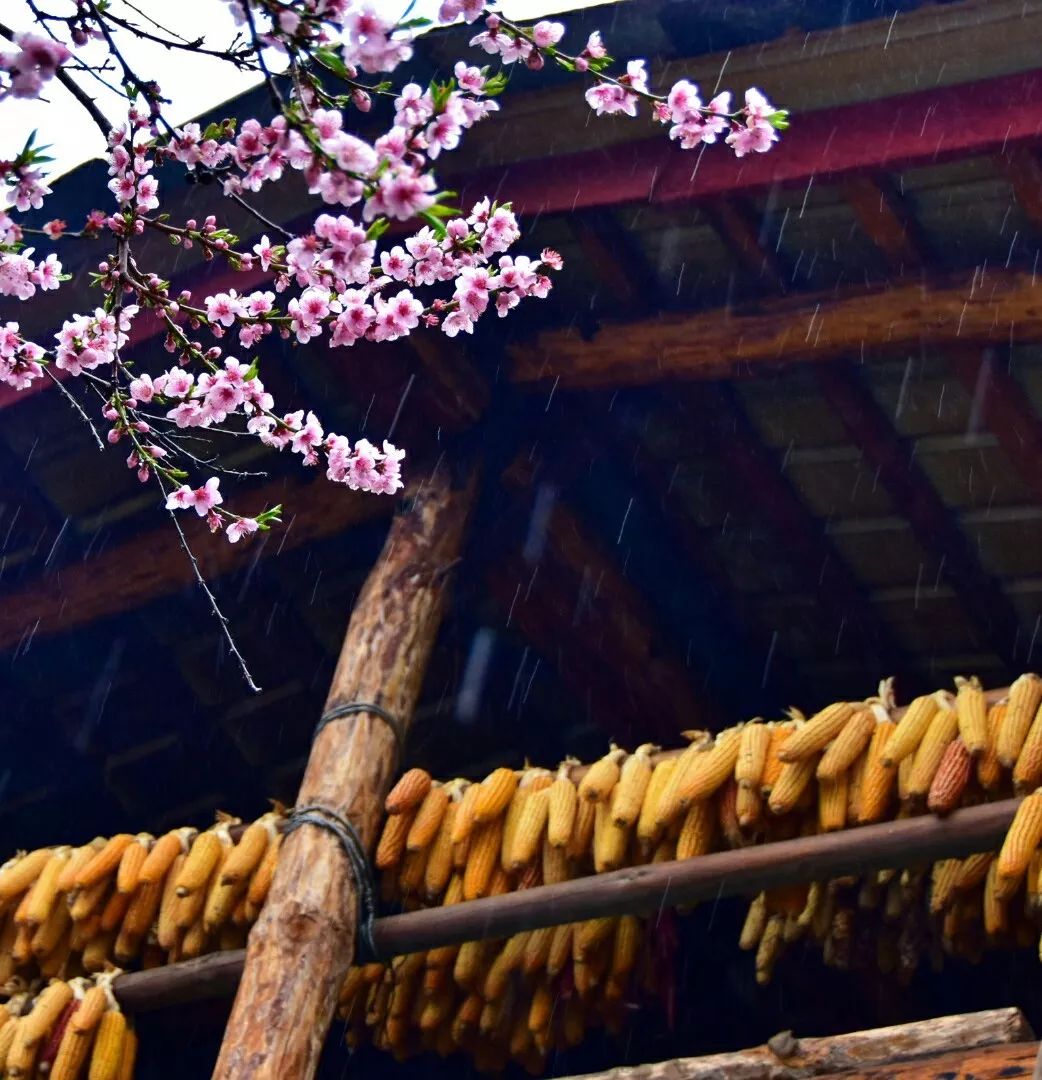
[(304, 941)]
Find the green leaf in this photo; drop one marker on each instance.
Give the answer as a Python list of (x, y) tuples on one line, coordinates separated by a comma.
[(254, 368), (377, 229), (414, 24), (436, 225), (779, 120), (331, 59)]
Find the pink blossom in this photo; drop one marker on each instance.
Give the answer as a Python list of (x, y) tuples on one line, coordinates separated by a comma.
[(239, 528), (224, 308), (546, 33), (54, 229), (756, 137), (142, 389), (266, 251)]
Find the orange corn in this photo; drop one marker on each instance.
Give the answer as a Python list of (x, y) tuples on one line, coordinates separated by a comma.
[(942, 729), (817, 732), (128, 873), (105, 862), (973, 714), (391, 848), (560, 949), (463, 825), (129, 1057), (494, 795), (973, 870), (942, 884), (877, 780), (698, 830), (44, 894), (747, 807), (950, 780), (438, 870), (911, 728), (107, 1056), (76, 862), (51, 931), (428, 819), (832, 803), (772, 766), (505, 964), (1025, 697), (409, 792), (163, 853), (1027, 772), (752, 754), (482, 859), (1023, 837), (18, 874), (246, 856), (202, 860), (792, 781), (848, 745), (527, 835), (989, 767)]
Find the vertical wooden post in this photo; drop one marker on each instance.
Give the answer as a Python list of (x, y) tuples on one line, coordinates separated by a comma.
[(304, 941)]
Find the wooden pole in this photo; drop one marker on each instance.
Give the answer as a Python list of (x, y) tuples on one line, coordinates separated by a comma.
[(635, 889), (304, 941)]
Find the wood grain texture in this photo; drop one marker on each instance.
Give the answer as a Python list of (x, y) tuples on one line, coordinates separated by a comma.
[(990, 1063), (882, 1048), (304, 941), (995, 308)]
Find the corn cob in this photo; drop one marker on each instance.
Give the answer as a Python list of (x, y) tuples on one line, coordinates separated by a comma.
[(412, 871), (76, 862), (202, 860), (793, 780), (537, 950), (816, 733), (128, 1059), (832, 803), (1025, 697), (752, 753), (943, 884), (7, 1037), (942, 729), (610, 841), (647, 828), (51, 1003), (989, 767), (1027, 772), (163, 853), (409, 792), (97, 952), (463, 825), (1023, 837), (526, 837), (769, 948), (44, 893), (877, 780), (91, 1008), (107, 1055), (848, 745), (911, 728), (484, 855), (494, 795), (20, 872), (748, 803), (541, 1009), (50, 932), (973, 870), (21, 1057), (72, 1054), (995, 912), (391, 848), (634, 778), (697, 832), (601, 777), (247, 854), (505, 964), (973, 714), (167, 931), (582, 831), (260, 882), (755, 921), (589, 934), (555, 864), (950, 780), (772, 766), (560, 949), (104, 862), (128, 873), (438, 871), (706, 772), (428, 819)]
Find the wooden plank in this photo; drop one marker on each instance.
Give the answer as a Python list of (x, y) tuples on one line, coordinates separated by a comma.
[(890, 134), (304, 941), (917, 500), (787, 1058), (886, 219), (736, 222), (154, 565), (990, 1063), (997, 307)]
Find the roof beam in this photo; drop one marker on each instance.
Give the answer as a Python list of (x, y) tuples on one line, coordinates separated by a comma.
[(1022, 169), (990, 308), (917, 500), (1007, 412), (737, 225), (886, 219), (892, 133), (153, 564)]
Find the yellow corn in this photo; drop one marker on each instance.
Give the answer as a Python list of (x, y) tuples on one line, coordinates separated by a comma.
[(7, 1037), (128, 873), (107, 1056), (582, 831), (104, 862), (163, 853), (51, 1003), (628, 937), (772, 766), (698, 830), (44, 894), (73, 1051), (911, 728), (537, 950), (21, 1057), (942, 729), (755, 921), (647, 828), (561, 807), (560, 949), (943, 882), (526, 837), (989, 767), (114, 910), (409, 792), (98, 952), (1025, 697), (600, 778), (877, 780), (973, 714), (995, 913), (428, 819), (91, 1009), (76, 862), (482, 859), (705, 773), (1023, 837), (18, 874), (769, 948), (463, 824), (128, 1058), (412, 870), (505, 964), (610, 841), (747, 806), (51, 931), (590, 933), (494, 795), (848, 745), (542, 1007), (817, 732), (752, 753), (167, 932), (144, 906), (832, 803), (555, 864), (973, 870), (391, 847), (200, 864), (246, 856), (792, 781), (1027, 772), (438, 870)]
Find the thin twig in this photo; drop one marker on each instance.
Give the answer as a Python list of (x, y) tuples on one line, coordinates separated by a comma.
[(76, 405), (260, 217)]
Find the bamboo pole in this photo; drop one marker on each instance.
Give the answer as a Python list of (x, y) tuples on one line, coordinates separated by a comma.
[(635, 889), (304, 942)]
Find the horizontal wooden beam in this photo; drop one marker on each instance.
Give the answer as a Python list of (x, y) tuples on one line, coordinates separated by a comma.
[(989, 1063), (892, 133), (637, 889), (787, 1058), (153, 564), (992, 308)]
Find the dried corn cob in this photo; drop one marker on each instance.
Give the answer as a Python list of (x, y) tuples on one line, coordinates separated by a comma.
[(1025, 697), (1027, 772), (526, 837), (428, 818), (409, 792), (391, 848), (628, 798), (877, 780), (44, 894), (107, 1055), (832, 803), (647, 828), (973, 714), (950, 780), (133, 859), (911, 728), (942, 730), (705, 773), (752, 753), (793, 780), (494, 795), (698, 831), (247, 854), (482, 860), (104, 862), (610, 841), (163, 853), (19, 873), (1023, 837), (582, 831), (816, 733), (561, 806), (202, 860), (848, 745), (600, 778), (989, 768)]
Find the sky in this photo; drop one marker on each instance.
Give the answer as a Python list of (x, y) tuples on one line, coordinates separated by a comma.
[(193, 83)]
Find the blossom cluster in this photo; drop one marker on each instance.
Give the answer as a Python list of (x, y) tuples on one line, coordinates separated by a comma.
[(24, 72)]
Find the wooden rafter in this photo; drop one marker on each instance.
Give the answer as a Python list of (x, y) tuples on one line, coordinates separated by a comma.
[(1006, 411), (917, 500), (738, 226), (991, 308), (1024, 172), (886, 219)]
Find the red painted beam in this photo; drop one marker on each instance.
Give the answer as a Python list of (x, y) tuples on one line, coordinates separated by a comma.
[(894, 133)]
